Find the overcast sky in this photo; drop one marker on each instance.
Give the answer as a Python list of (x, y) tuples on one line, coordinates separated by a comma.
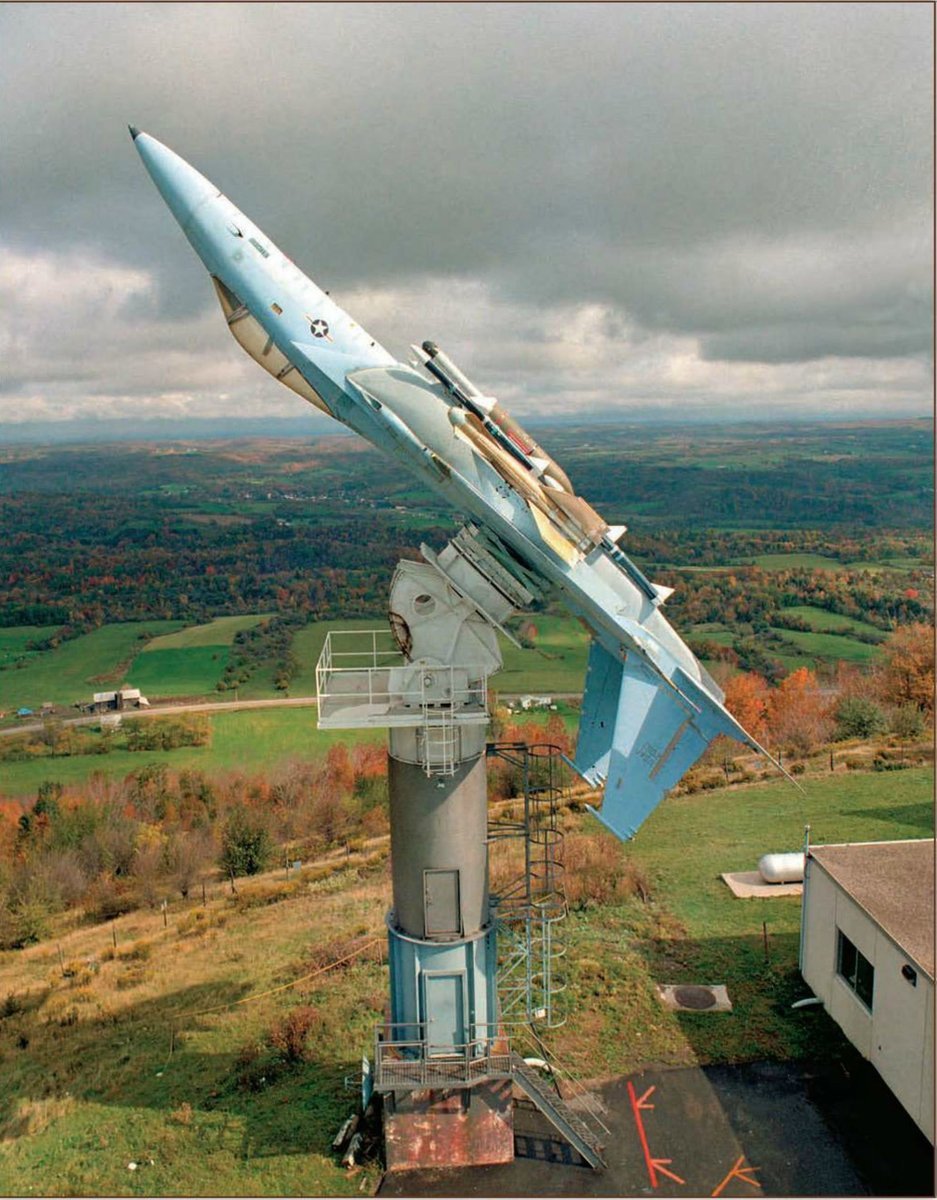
[(683, 209)]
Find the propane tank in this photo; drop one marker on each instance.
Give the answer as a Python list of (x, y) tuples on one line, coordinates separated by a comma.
[(781, 868)]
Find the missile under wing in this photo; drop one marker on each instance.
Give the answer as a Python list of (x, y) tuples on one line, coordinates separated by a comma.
[(649, 709)]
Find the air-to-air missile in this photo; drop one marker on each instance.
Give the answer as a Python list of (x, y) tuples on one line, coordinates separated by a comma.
[(649, 709)]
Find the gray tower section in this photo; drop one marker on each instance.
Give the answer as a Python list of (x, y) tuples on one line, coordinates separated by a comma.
[(440, 860)]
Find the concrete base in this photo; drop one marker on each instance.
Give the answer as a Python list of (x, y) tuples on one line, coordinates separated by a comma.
[(746, 884), (471, 1127)]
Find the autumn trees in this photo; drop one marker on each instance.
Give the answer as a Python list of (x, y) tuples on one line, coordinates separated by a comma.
[(907, 675), (799, 714)]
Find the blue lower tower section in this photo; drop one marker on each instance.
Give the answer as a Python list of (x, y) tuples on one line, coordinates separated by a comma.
[(442, 994)]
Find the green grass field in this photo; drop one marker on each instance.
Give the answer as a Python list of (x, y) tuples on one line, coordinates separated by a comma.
[(219, 632), (307, 646), (693, 930), (91, 663), (13, 641), (250, 740), (830, 646), (780, 562), (193, 671), (821, 620), (557, 664)]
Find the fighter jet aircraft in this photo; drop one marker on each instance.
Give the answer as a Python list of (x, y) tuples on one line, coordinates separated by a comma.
[(649, 709)]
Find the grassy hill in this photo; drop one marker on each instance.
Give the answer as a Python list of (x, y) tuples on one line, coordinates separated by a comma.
[(157, 1044), (71, 672)]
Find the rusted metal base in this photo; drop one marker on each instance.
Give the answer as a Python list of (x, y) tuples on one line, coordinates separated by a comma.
[(470, 1127)]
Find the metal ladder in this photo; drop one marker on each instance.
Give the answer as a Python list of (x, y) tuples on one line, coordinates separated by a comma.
[(440, 741)]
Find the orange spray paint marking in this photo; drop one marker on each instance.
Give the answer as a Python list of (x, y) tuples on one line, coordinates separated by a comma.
[(655, 1166), (745, 1174)]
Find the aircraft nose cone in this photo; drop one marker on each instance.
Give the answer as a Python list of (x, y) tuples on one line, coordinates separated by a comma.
[(180, 185)]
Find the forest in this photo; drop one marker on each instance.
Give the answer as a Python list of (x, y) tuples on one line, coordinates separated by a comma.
[(829, 515)]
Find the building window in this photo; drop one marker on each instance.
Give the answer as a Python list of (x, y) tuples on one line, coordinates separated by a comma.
[(854, 968)]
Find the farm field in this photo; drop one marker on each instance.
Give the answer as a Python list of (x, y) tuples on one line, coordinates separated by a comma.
[(820, 647), (190, 660), (557, 664), (219, 632), (251, 740), (782, 561), (14, 642), (194, 671), (94, 1080), (820, 620), (308, 643), (71, 672)]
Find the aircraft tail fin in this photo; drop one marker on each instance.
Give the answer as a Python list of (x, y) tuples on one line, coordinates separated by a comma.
[(640, 733)]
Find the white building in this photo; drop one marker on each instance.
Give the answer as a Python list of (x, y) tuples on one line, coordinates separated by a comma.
[(867, 951)]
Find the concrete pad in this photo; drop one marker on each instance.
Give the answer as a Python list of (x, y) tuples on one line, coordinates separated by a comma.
[(746, 884)]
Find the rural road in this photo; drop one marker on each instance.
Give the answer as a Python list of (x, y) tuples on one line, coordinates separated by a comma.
[(211, 706), (171, 709)]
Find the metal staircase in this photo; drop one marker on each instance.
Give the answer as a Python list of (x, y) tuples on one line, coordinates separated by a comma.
[(530, 908), (569, 1124)]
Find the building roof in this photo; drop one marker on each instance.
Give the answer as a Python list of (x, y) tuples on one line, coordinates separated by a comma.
[(894, 883)]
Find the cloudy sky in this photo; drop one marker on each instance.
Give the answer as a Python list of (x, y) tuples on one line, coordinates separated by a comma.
[(684, 209)]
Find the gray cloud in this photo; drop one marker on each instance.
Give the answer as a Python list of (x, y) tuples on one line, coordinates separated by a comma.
[(721, 197)]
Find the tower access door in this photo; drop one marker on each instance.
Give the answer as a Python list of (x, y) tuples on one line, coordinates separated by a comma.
[(444, 1006)]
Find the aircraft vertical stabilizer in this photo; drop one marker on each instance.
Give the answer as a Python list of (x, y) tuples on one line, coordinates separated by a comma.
[(643, 737)]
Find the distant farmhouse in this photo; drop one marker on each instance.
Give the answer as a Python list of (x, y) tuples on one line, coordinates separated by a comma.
[(867, 951), (123, 698)]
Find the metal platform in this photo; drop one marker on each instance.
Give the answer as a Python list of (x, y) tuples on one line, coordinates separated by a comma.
[(405, 1064), (363, 681)]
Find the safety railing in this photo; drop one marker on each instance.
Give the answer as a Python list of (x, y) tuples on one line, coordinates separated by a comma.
[(412, 1061), (362, 679)]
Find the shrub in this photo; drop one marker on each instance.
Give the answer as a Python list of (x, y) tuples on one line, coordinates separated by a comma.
[(131, 978), (199, 921), (598, 872), (288, 1036), (108, 899), (135, 952), (882, 762), (246, 845), (31, 922), (261, 896), (858, 717), (907, 722), (11, 1005)]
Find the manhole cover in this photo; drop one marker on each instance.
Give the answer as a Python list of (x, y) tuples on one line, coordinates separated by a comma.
[(694, 997)]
